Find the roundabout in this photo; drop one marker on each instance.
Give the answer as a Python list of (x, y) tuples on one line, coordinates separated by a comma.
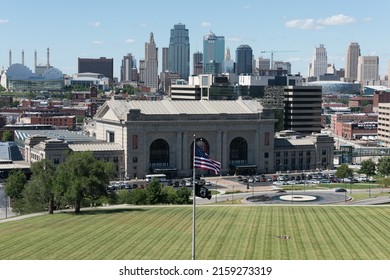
[(311, 198)]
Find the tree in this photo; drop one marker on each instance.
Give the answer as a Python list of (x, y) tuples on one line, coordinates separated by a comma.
[(15, 184), (154, 192), (183, 195), (82, 176), (39, 192), (344, 171), (7, 136), (383, 166), (367, 167)]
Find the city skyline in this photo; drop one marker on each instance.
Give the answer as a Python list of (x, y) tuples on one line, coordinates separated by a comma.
[(80, 29)]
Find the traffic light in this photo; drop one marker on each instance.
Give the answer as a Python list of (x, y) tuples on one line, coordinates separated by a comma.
[(202, 191)]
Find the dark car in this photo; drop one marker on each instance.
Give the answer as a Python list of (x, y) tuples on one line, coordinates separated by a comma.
[(340, 190)]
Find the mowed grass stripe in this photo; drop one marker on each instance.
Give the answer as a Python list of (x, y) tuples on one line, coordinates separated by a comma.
[(376, 245), (341, 233), (222, 232)]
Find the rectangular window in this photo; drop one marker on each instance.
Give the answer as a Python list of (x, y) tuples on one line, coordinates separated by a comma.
[(266, 139), (278, 154), (110, 136), (135, 159), (285, 154), (135, 142), (265, 155)]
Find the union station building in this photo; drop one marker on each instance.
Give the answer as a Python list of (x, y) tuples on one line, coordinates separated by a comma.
[(158, 137)]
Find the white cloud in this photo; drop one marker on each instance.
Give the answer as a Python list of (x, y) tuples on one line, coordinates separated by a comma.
[(98, 42), (301, 23), (94, 24), (205, 24), (234, 39), (3, 21), (311, 23), (337, 20), (129, 40)]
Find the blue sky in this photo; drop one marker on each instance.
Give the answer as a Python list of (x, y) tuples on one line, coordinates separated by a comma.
[(92, 29)]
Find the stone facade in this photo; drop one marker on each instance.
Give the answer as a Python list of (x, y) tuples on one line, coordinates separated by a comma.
[(138, 126)]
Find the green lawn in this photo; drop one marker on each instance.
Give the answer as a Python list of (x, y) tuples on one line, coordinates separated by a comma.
[(222, 232)]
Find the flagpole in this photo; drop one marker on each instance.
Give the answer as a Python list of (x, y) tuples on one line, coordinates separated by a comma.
[(193, 201)]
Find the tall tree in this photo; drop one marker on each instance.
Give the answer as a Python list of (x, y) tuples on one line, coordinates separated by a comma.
[(82, 176), (367, 167), (39, 191), (15, 183), (383, 166), (344, 171)]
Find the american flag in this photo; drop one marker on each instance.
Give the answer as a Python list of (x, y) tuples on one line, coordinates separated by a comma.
[(203, 161)]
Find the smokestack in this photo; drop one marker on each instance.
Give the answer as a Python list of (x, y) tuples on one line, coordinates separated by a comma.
[(10, 57), (35, 61), (22, 57), (48, 55)]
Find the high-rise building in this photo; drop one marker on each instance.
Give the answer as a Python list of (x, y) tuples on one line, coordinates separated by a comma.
[(351, 62), (368, 70), (302, 109), (165, 60), (179, 51), (319, 62), (103, 65), (197, 61), (228, 63), (151, 63), (244, 59), (127, 68), (213, 53)]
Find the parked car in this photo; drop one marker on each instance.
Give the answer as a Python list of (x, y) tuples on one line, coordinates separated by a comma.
[(340, 190)]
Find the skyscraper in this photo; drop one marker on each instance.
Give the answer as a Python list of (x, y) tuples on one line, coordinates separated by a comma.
[(228, 63), (351, 62), (151, 63), (198, 63), (213, 53), (127, 68), (319, 62), (368, 70), (165, 61), (179, 51), (302, 109), (244, 59)]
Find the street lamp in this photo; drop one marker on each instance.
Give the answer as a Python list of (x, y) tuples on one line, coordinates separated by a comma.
[(216, 190), (233, 196)]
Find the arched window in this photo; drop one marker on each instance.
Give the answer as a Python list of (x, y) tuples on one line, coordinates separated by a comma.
[(159, 154), (238, 151)]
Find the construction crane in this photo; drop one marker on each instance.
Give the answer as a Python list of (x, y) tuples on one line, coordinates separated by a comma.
[(272, 56)]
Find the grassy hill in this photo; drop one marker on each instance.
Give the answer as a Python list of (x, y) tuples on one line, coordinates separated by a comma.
[(222, 232)]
